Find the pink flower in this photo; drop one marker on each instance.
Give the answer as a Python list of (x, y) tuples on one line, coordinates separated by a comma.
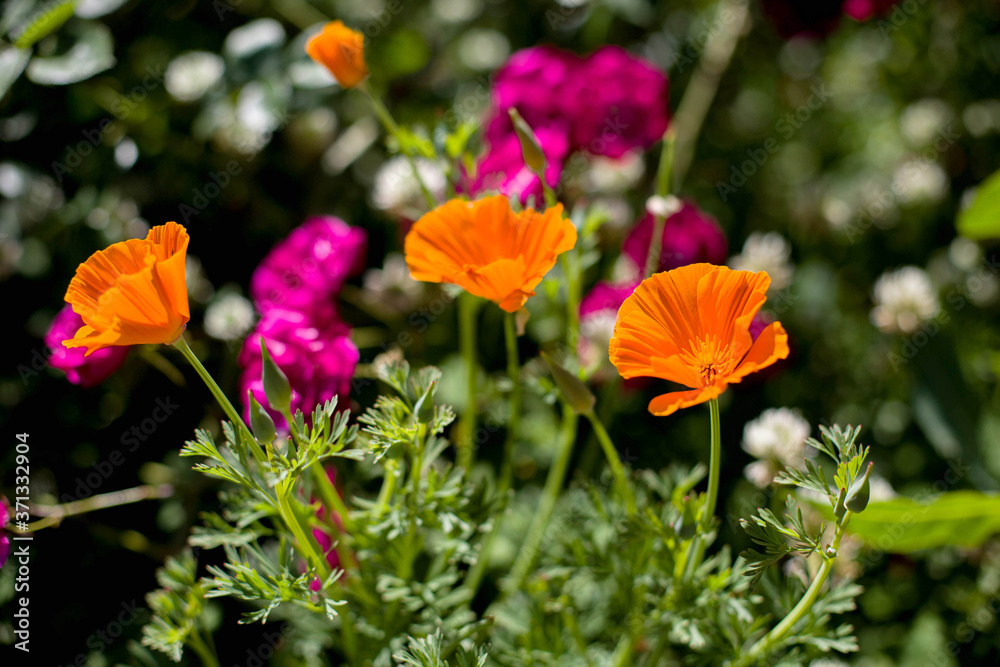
[(4, 539), (503, 167), (689, 236), (85, 371), (313, 348), (326, 514), (598, 312), (620, 102), (310, 265)]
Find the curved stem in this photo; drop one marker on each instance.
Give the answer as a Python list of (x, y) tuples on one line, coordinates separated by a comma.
[(306, 543), (704, 82), (514, 371), (207, 655), (54, 514), (615, 461), (714, 465), (220, 396), (804, 605), (553, 484), (467, 307), (393, 128)]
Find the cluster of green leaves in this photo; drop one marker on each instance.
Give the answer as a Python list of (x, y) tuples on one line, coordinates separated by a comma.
[(178, 608), (609, 585)]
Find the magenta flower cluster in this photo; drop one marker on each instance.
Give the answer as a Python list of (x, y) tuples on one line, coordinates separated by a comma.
[(81, 370), (4, 539), (294, 288), (607, 104)]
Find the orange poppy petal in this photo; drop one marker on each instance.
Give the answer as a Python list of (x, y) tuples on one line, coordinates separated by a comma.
[(667, 404), (659, 320), (132, 292), (487, 249), (342, 51), (770, 346), (727, 303)]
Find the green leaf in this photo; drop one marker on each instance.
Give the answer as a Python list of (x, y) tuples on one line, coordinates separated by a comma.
[(92, 53), (46, 20), (12, 63), (904, 525), (981, 219)]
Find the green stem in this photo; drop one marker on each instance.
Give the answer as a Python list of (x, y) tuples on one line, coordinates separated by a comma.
[(664, 183), (553, 484), (305, 542), (388, 486), (704, 83), (699, 544), (514, 371), (615, 461), (220, 397), (468, 305), (207, 655), (393, 128), (54, 514), (569, 266), (162, 364), (804, 605)]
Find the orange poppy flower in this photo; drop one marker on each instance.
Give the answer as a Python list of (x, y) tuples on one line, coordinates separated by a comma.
[(133, 292), (342, 51), (692, 326), (486, 248)]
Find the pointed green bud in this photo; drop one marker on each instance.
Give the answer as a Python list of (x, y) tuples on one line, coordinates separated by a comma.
[(857, 497), (573, 390), (276, 387), (260, 421), (840, 509), (530, 148)]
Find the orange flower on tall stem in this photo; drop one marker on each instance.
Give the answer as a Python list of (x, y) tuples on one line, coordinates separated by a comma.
[(487, 249), (133, 292), (342, 51), (692, 326)]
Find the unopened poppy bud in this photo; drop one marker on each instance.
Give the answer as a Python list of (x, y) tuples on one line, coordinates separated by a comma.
[(261, 422), (276, 386), (575, 392), (857, 497), (530, 148), (686, 523), (840, 509)]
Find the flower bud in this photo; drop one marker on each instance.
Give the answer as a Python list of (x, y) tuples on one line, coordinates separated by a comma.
[(261, 422), (840, 509), (276, 386), (686, 524), (530, 148), (857, 497), (573, 391)]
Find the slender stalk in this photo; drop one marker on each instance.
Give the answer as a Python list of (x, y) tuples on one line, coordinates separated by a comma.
[(550, 494), (704, 83), (664, 183), (468, 305), (393, 128), (207, 655), (220, 396), (514, 371), (162, 364), (54, 514), (699, 543), (568, 261), (759, 649), (307, 543), (615, 461), (388, 486)]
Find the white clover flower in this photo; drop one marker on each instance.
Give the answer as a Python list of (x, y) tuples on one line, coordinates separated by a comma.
[(229, 317), (191, 75), (595, 336), (919, 181), (924, 119), (769, 252), (613, 175), (397, 190), (904, 299), (392, 285), (778, 439)]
